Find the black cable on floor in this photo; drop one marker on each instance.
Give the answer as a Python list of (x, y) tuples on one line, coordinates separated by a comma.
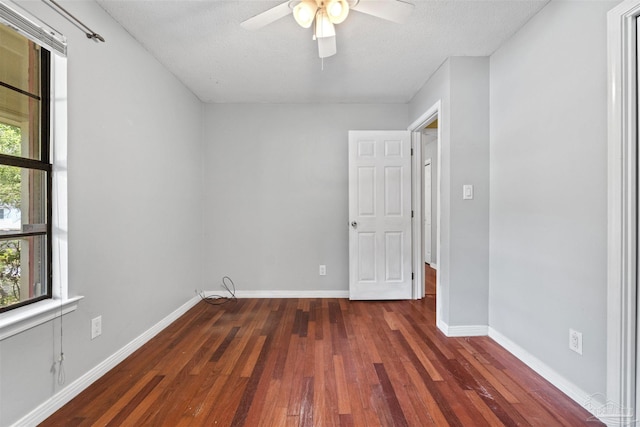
[(227, 284)]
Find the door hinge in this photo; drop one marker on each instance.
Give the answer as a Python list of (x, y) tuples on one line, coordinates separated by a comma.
[(411, 214), (412, 151), (412, 276)]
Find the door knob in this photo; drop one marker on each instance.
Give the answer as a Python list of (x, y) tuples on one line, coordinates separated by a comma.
[(354, 224)]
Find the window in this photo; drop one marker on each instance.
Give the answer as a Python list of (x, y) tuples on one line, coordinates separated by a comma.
[(25, 171), (44, 239)]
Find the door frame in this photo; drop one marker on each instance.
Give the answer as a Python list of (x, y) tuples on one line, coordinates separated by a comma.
[(427, 162), (417, 171), (622, 222)]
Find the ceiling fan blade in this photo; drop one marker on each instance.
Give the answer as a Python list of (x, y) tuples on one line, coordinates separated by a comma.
[(391, 10), (267, 17), (327, 46)]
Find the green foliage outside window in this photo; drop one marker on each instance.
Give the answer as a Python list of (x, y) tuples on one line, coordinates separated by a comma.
[(10, 192)]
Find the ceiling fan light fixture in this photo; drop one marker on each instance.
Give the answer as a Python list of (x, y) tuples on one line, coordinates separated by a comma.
[(324, 26), (337, 10), (305, 12), (326, 47), (324, 14)]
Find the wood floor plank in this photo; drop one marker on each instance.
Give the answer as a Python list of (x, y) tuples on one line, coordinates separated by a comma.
[(432, 408), (429, 280), (195, 405), (306, 403), (253, 357), (131, 398), (330, 393), (420, 350), (133, 403), (391, 400), (252, 387), (344, 406), (319, 385), (354, 377), (318, 362), (296, 380), (227, 410), (487, 413), (261, 416), (398, 382), (171, 388), (488, 375), (444, 401), (460, 410)]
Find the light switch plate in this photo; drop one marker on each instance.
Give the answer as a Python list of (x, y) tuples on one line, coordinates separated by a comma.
[(467, 192)]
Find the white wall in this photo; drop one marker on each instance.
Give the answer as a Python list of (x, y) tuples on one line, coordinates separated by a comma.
[(135, 216), (276, 192), (548, 189), (461, 84), (469, 232)]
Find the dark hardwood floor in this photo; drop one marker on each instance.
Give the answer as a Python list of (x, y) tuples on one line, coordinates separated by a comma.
[(318, 362), (429, 280)]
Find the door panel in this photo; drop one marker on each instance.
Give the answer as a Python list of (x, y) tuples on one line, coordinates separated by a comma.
[(380, 215)]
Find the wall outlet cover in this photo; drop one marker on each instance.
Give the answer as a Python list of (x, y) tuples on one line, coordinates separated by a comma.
[(575, 341), (96, 327)]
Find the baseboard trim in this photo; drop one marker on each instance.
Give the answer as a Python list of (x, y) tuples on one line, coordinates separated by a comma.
[(58, 400), (292, 294), (463, 330), (592, 403)]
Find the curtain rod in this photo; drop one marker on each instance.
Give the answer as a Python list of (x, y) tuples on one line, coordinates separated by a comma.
[(89, 32)]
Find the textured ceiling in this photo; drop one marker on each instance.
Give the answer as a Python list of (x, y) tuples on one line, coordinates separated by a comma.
[(202, 43)]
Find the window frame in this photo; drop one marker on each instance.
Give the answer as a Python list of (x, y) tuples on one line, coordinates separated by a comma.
[(14, 322), (42, 164)]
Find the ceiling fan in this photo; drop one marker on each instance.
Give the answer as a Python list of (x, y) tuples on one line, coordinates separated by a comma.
[(326, 13)]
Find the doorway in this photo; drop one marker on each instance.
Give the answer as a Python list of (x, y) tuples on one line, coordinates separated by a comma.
[(426, 143), (429, 141)]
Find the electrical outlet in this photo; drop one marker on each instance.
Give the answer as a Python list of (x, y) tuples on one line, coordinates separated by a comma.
[(96, 327), (575, 341), (323, 270)]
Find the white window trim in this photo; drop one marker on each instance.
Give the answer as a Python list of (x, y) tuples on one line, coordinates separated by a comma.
[(21, 319)]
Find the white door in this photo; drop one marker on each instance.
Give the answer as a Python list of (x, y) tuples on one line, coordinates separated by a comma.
[(380, 215), (427, 211)]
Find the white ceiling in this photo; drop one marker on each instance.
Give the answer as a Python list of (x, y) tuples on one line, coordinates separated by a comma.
[(202, 43)]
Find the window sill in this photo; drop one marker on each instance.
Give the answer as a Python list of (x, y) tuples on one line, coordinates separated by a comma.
[(19, 320)]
